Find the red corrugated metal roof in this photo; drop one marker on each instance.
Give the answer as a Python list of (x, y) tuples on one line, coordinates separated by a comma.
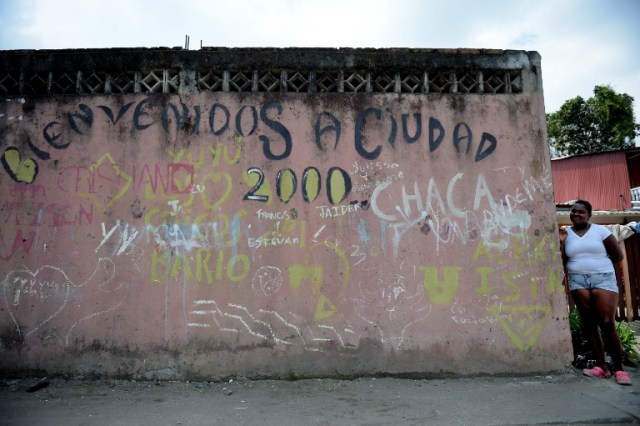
[(602, 179)]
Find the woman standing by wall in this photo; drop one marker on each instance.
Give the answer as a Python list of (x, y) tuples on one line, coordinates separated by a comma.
[(589, 252)]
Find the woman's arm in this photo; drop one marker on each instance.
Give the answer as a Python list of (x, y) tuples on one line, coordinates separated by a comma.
[(613, 249), (563, 238)]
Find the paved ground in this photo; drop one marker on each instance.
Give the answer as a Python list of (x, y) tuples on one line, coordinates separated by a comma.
[(569, 398)]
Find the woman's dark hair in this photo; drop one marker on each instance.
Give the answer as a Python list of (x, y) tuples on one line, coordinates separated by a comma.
[(586, 204)]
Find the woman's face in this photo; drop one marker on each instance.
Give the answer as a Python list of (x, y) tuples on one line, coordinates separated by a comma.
[(579, 214)]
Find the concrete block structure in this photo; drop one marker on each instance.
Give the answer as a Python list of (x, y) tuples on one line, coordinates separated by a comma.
[(277, 213)]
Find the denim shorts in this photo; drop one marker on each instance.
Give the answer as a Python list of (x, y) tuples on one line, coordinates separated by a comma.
[(602, 281)]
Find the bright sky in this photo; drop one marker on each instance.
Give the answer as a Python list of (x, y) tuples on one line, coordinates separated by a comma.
[(583, 43)]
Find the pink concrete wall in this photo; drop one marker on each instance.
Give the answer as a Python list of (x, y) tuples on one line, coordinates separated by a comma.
[(272, 235)]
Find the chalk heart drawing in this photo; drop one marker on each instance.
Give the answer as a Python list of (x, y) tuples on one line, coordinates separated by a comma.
[(20, 170), (34, 299)]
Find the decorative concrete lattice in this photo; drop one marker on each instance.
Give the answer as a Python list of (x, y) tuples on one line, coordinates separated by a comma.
[(272, 80)]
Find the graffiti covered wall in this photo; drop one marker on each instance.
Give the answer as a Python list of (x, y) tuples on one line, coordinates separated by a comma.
[(210, 233)]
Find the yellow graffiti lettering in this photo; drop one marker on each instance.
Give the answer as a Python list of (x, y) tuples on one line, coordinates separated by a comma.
[(311, 184), (180, 263), (324, 308), (288, 226), (539, 252), (484, 288), (522, 323), (535, 288), (188, 157), (441, 291), (189, 200), (337, 187), (315, 274), (241, 259), (215, 153), (111, 175), (148, 215), (158, 261), (482, 250), (520, 251), (223, 195), (345, 261), (299, 273), (220, 151), (554, 281), (203, 265), (175, 156), (286, 184), (219, 265), (207, 269), (303, 233), (507, 279), (238, 144)]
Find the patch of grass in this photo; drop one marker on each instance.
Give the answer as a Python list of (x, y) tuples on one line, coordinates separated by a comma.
[(628, 341)]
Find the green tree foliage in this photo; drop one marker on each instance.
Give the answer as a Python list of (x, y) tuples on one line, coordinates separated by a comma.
[(603, 122)]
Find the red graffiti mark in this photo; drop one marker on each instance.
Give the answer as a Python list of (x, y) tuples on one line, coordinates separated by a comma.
[(28, 190), (145, 177), (20, 242), (177, 178), (35, 214), (182, 176)]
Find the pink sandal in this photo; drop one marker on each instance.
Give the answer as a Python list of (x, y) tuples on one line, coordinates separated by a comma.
[(622, 378), (597, 372)]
